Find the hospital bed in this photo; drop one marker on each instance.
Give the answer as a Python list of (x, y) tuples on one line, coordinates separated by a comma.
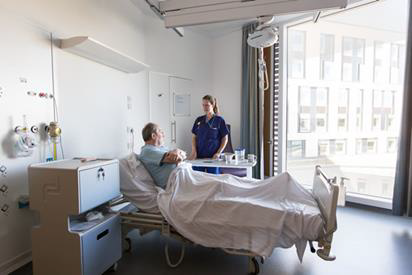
[(325, 192)]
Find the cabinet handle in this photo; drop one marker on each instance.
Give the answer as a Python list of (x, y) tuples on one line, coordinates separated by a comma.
[(101, 235), (100, 173)]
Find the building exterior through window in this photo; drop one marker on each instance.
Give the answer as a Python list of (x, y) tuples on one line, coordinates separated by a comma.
[(344, 93)]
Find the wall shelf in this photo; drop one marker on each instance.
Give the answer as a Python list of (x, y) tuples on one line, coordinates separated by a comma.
[(94, 50)]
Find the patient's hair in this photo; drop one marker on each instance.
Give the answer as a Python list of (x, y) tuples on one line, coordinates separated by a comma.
[(148, 130), (212, 101)]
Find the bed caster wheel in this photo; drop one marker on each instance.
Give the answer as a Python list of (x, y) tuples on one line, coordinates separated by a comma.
[(113, 268), (127, 245), (253, 266), (312, 248)]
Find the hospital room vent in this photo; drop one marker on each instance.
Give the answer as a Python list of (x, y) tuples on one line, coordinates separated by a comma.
[(276, 111)]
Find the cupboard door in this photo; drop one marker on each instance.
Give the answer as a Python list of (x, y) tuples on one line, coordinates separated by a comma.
[(160, 104), (180, 97)]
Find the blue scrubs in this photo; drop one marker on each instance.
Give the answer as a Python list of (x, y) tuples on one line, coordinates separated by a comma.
[(208, 139)]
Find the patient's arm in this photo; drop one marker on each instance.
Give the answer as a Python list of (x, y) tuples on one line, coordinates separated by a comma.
[(174, 156)]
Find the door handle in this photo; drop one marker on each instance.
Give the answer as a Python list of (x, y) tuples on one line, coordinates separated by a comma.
[(174, 131)]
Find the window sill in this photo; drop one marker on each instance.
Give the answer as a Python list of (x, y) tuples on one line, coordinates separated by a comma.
[(369, 200)]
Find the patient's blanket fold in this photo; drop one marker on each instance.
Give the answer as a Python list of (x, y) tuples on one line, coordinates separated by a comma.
[(231, 212)]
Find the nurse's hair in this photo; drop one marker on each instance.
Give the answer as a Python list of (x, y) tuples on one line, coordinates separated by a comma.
[(148, 130), (212, 101)]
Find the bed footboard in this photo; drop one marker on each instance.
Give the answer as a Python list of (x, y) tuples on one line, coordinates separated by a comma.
[(325, 191)]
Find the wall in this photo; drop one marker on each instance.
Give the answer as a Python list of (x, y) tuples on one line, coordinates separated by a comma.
[(227, 71), (91, 98)]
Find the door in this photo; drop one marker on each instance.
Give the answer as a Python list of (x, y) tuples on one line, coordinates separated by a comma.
[(182, 122), (159, 99)]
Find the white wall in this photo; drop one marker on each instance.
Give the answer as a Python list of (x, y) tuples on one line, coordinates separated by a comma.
[(91, 97), (227, 72)]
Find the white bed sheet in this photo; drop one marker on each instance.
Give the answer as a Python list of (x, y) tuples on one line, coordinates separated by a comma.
[(226, 211), (230, 212)]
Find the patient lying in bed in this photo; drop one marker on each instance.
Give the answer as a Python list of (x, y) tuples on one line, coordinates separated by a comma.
[(226, 211)]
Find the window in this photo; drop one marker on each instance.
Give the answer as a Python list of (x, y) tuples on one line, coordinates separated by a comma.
[(327, 56), (343, 103), (377, 101), (397, 63), (323, 148), (322, 104), (305, 109), (340, 147), (296, 47), (366, 146), (383, 111), (352, 58), (304, 123), (296, 149), (357, 99), (380, 74), (313, 109), (392, 145), (331, 147)]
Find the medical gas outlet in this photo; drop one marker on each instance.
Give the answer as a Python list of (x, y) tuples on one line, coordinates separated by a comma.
[(3, 170)]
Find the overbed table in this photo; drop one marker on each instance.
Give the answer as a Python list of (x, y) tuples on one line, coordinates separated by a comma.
[(221, 163)]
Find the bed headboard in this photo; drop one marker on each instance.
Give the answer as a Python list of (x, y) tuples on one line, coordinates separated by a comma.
[(326, 192)]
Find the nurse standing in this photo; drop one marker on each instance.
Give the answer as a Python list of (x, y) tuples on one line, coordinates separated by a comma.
[(210, 134)]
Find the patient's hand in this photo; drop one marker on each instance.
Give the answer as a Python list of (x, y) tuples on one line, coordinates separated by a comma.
[(172, 157)]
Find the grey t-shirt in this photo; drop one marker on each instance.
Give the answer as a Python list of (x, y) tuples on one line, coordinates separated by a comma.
[(152, 156)]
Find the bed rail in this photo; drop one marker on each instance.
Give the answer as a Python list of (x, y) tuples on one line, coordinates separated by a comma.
[(325, 191)]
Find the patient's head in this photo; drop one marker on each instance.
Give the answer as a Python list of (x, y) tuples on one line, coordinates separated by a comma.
[(152, 134)]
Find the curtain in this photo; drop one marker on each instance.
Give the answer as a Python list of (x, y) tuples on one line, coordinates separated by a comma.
[(251, 134), (402, 196)]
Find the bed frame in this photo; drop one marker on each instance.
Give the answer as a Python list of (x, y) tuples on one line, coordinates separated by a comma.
[(325, 192)]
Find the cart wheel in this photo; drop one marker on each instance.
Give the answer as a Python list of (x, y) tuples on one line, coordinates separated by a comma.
[(253, 266), (113, 268), (127, 245)]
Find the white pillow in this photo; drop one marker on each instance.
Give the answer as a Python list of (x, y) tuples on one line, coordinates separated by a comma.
[(137, 185)]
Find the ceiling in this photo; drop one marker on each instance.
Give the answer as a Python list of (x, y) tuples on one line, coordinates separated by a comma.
[(384, 15)]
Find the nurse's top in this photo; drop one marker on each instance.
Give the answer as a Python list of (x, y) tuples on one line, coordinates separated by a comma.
[(209, 135)]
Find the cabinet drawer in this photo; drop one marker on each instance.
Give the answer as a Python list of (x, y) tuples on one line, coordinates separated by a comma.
[(98, 185), (101, 247)]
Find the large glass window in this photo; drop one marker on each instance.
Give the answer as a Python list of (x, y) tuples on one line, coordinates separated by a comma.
[(344, 113)]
